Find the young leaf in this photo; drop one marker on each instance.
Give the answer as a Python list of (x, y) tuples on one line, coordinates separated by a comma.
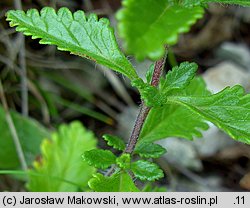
[(114, 141), (124, 161), (149, 94), (81, 35), (239, 2), (99, 158), (173, 120), (118, 182), (177, 79), (61, 158), (228, 109), (145, 170), (30, 133), (147, 25), (149, 150)]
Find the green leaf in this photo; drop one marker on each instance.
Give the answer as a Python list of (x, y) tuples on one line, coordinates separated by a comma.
[(61, 158), (145, 170), (228, 109), (99, 158), (172, 120), (147, 25), (149, 150), (124, 161), (149, 94), (114, 141), (118, 182), (30, 133), (239, 2), (177, 79), (81, 35)]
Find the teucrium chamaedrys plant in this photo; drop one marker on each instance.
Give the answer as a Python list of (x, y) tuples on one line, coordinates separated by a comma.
[(166, 101)]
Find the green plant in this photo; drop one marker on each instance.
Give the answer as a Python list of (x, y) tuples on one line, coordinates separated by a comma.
[(165, 100), (60, 167), (9, 157)]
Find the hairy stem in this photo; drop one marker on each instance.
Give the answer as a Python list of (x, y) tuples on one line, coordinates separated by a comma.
[(141, 117), (143, 113), (144, 110)]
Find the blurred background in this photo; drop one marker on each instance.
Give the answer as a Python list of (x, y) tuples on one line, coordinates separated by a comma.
[(54, 87)]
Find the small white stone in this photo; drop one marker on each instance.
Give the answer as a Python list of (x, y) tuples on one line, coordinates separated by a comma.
[(236, 52), (181, 152), (226, 74)]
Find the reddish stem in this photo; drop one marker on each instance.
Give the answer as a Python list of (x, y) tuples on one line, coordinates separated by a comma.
[(144, 110)]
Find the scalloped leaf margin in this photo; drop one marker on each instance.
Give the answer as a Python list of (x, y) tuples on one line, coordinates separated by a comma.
[(84, 36), (146, 26)]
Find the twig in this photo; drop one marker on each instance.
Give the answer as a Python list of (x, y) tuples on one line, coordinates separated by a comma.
[(144, 110), (143, 113), (22, 62), (13, 130)]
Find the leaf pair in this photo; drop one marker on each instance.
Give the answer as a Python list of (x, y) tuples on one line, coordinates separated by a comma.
[(142, 169), (145, 149), (186, 105), (177, 79), (120, 180)]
